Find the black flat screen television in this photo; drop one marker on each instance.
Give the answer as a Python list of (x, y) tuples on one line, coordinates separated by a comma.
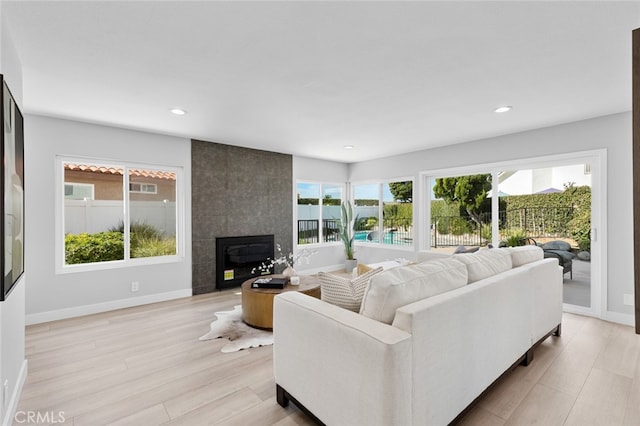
[(237, 257)]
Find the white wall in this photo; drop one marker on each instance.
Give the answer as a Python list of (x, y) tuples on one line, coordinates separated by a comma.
[(612, 133), (51, 295), (329, 256), (13, 366)]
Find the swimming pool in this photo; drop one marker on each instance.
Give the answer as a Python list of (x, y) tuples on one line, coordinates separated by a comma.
[(390, 237)]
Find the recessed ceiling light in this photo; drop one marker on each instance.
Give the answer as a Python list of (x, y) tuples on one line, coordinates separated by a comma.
[(178, 111), (348, 147), (503, 109)]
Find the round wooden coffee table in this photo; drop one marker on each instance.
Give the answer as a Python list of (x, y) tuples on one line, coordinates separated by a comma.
[(257, 303)]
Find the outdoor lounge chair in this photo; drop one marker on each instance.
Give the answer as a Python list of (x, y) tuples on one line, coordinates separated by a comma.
[(561, 250)]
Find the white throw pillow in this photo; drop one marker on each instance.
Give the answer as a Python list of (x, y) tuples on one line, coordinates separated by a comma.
[(344, 292), (400, 286), (486, 263), (525, 254)]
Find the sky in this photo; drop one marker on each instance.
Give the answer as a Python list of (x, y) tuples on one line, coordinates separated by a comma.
[(519, 183), (368, 191)]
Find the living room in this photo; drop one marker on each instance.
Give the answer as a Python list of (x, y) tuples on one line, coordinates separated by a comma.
[(48, 291)]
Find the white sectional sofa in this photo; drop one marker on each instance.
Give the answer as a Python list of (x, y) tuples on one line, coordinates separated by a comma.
[(424, 346)]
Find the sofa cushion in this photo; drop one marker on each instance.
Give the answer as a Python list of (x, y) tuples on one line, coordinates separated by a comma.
[(397, 287), (429, 255), (344, 292), (486, 263), (525, 254)]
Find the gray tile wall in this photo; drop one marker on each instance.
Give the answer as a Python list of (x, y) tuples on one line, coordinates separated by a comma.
[(236, 192)]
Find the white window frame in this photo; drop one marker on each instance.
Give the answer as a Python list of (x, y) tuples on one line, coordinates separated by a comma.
[(598, 161), (322, 185), (62, 268), (380, 183)]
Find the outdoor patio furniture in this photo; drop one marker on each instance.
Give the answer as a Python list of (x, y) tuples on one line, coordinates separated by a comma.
[(561, 250)]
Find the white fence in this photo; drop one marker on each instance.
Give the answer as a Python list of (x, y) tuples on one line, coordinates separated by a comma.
[(306, 212), (93, 216)]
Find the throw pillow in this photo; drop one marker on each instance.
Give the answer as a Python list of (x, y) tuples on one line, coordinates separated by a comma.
[(387, 264), (344, 292), (407, 284), (486, 263), (362, 269)]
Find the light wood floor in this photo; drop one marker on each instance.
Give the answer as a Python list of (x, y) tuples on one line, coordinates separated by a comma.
[(146, 366)]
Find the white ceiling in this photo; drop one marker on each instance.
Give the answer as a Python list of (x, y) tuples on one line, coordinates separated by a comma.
[(307, 78)]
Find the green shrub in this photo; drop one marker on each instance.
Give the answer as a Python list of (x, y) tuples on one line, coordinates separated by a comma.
[(486, 231), (459, 226), (365, 223), (141, 230), (514, 237), (580, 225), (149, 247), (89, 248), (441, 208), (397, 215), (443, 225), (146, 241), (584, 244), (140, 234)]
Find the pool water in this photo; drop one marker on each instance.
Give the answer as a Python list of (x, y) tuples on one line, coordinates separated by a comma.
[(388, 238)]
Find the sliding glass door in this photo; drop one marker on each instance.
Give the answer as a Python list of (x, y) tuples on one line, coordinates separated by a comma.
[(554, 203)]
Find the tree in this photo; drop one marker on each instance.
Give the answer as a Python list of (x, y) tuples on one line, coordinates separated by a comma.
[(468, 191), (402, 191), (328, 200)]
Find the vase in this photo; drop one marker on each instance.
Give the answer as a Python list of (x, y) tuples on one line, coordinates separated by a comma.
[(289, 272), (351, 263)]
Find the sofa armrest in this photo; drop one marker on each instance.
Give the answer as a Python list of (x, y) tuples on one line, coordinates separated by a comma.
[(547, 296), (343, 367), (463, 340)]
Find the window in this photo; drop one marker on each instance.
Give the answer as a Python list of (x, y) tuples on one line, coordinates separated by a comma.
[(461, 211), (318, 204), (104, 224), (143, 188), (539, 201), (389, 204), (78, 191)]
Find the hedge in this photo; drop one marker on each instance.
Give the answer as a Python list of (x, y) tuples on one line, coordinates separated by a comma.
[(557, 213), (88, 248)]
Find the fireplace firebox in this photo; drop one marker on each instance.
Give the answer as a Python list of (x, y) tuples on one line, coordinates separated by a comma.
[(236, 257)]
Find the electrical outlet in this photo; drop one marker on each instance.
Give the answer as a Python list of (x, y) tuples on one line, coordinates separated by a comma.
[(628, 299), (135, 286)]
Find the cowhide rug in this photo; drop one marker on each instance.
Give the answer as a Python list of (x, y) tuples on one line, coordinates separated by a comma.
[(229, 325)]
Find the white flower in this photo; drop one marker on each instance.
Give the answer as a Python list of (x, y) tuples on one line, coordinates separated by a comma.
[(282, 259)]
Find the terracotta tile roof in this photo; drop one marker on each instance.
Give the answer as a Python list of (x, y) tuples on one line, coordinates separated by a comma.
[(154, 174)]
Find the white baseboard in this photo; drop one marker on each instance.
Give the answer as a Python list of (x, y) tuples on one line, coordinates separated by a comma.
[(578, 310), (625, 319), (104, 307), (15, 396), (328, 268)]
